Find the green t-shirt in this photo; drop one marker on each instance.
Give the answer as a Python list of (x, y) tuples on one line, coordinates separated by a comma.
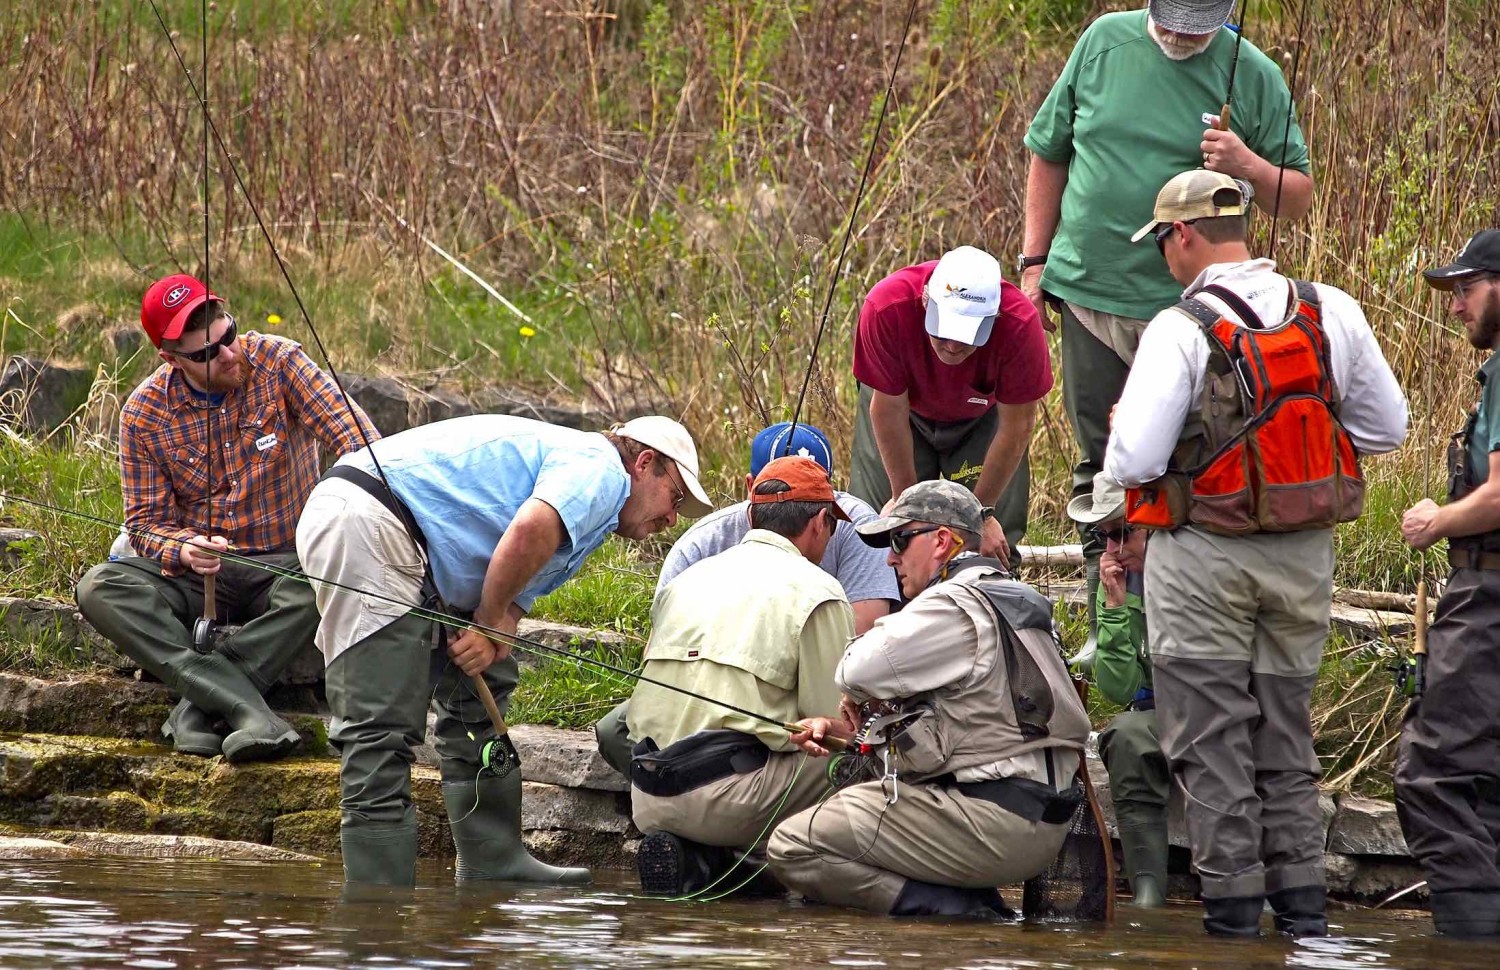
[(1126, 119), (1486, 435)]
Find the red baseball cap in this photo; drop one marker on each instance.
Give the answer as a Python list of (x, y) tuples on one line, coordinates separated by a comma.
[(808, 480), (166, 305)]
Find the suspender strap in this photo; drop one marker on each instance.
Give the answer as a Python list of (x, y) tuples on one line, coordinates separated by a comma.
[(377, 490), (1241, 309)]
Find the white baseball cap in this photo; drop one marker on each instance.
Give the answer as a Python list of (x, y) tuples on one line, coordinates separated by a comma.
[(963, 296), (662, 434)]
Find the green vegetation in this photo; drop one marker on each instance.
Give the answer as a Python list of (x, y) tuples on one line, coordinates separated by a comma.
[(662, 189)]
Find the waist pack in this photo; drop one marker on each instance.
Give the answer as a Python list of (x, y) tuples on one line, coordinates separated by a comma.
[(1031, 800), (697, 760)]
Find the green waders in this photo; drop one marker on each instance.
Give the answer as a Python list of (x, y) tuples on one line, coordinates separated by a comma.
[(379, 690), (149, 616), (954, 451), (1140, 783)]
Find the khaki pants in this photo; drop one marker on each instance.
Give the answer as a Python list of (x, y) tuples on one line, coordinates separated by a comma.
[(855, 850), (1237, 631), (1448, 765), (738, 811)]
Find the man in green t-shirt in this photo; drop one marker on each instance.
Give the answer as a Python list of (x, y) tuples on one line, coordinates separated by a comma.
[(1138, 102)]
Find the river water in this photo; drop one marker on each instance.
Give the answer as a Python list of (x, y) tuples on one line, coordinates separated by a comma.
[(162, 914)]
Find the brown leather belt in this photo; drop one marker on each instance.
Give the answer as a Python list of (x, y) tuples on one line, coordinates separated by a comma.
[(1470, 559)]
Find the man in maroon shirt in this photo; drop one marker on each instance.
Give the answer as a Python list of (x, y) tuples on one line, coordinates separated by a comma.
[(951, 361)]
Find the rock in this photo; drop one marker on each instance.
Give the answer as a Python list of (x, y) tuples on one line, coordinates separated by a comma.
[(594, 850), (22, 849), (16, 545), (501, 400), (574, 810), (1373, 879), (396, 406), (88, 704), (556, 756), (175, 847), (38, 396), (120, 340), (59, 625), (1364, 826), (565, 636)]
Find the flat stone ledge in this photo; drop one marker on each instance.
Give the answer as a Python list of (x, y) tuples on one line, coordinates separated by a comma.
[(559, 756), (1366, 827), (138, 846), (25, 849)]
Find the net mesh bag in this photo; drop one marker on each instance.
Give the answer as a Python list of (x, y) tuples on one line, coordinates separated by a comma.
[(1079, 884)]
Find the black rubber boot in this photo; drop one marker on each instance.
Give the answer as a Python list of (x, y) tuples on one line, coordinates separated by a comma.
[(1143, 843), (1233, 915), (1300, 911), (380, 853), (485, 816), (191, 731), (1469, 913), (214, 684), (919, 898), (670, 865)]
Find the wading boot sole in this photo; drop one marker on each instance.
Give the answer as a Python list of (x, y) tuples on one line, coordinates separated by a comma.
[(660, 863), (248, 746)]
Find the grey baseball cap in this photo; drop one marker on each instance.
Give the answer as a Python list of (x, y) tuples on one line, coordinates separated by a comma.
[(1191, 16), (938, 502)]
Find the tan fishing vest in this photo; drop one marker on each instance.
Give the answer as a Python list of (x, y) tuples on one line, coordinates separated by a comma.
[(754, 637), (1030, 703)]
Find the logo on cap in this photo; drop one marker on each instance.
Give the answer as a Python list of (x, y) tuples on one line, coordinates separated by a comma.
[(962, 292), (176, 295)]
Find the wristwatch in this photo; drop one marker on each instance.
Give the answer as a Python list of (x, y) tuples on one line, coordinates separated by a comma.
[(1025, 262)]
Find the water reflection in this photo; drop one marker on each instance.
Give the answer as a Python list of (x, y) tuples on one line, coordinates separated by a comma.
[(154, 914)]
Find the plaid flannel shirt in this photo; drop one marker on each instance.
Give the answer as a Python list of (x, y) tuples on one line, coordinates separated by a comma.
[(265, 439)]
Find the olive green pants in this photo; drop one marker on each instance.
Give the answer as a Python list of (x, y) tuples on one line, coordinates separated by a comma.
[(150, 616), (954, 451), (1132, 755), (379, 691)]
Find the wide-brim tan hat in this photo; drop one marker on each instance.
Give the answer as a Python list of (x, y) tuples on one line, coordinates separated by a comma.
[(662, 434), (1106, 502)]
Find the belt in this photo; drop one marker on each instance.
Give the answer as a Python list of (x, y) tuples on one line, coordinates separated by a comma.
[(377, 490), (1031, 800), (1473, 559), (696, 760)]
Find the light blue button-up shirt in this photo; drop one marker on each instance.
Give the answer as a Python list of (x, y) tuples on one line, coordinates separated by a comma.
[(466, 478)]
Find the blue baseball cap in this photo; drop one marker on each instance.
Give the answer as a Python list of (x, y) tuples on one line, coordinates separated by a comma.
[(807, 441)]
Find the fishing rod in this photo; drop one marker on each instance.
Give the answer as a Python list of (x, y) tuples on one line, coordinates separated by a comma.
[(204, 627), (1234, 63), (838, 267), (481, 689), (427, 613), (1286, 131)]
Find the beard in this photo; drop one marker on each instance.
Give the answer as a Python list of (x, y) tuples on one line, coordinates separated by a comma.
[(1487, 326), (1178, 47), (220, 381)]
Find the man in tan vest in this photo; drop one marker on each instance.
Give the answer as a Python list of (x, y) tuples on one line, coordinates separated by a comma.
[(986, 785), (761, 628)]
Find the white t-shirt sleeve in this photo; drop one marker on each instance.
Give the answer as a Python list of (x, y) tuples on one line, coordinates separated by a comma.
[(1372, 406), (1158, 395)]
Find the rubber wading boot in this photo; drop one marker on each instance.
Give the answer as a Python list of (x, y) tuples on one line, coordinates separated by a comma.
[(1143, 843), (212, 682), (1233, 915), (1468, 913), (1301, 910), (380, 853), (919, 898), (670, 865), (191, 731), (485, 816)]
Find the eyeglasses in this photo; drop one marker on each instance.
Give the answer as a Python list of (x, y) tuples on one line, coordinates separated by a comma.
[(900, 540), (1462, 288), (679, 493), (1164, 232), (1108, 534), (210, 350)]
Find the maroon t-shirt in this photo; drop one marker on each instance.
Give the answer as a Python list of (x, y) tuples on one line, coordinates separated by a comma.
[(892, 353)]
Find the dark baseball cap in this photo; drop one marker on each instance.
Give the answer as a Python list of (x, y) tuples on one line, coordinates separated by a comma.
[(1481, 254), (776, 442), (939, 502)]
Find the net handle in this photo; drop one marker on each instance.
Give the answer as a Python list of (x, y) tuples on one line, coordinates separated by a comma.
[(1081, 684)]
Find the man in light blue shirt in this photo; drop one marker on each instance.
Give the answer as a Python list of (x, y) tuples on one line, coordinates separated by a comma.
[(504, 510), (869, 584)]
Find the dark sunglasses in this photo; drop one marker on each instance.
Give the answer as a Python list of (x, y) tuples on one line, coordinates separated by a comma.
[(1107, 534), (1165, 231), (209, 351), (900, 540)]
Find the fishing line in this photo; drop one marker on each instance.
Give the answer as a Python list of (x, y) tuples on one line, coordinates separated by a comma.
[(838, 267)]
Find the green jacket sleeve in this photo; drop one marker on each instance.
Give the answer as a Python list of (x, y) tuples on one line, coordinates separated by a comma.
[(1119, 668)]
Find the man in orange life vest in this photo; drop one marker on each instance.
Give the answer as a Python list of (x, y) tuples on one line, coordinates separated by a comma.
[(1237, 437)]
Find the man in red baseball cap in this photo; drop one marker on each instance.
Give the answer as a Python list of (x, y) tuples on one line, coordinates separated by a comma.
[(758, 626), (218, 449)]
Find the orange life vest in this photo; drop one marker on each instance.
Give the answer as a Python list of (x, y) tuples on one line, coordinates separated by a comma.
[(1266, 451)]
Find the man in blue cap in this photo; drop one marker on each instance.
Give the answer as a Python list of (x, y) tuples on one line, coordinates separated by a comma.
[(869, 584)]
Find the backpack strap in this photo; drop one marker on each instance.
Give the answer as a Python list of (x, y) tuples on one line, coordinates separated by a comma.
[(1247, 316)]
